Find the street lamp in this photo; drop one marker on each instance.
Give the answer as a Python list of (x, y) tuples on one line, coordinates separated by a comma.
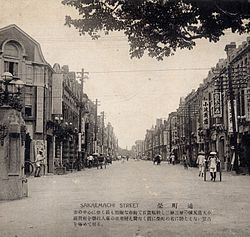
[(9, 96)]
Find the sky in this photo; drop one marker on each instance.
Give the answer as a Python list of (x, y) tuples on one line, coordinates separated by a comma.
[(133, 93)]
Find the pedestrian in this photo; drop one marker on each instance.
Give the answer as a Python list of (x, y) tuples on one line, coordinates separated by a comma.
[(90, 160), (169, 159), (158, 159), (39, 159), (201, 163), (213, 161), (172, 158), (185, 162)]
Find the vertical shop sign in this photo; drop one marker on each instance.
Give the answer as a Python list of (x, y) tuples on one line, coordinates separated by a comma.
[(247, 103), (217, 105), (230, 121), (39, 109), (205, 114), (165, 138)]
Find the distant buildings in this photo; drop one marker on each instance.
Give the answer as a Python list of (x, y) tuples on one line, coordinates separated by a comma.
[(215, 117)]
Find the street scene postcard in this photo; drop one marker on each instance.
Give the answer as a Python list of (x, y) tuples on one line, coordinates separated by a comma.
[(124, 118)]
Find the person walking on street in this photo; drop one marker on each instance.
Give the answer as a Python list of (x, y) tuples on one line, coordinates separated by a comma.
[(201, 162), (185, 162), (39, 159), (213, 161), (172, 157)]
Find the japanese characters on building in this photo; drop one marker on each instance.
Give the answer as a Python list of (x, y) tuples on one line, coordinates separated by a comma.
[(217, 105), (210, 127), (247, 103), (205, 114)]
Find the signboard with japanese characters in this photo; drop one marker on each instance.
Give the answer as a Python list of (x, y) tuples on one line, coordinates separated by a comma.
[(39, 109), (247, 103), (230, 121), (217, 105), (165, 137), (205, 114), (57, 84)]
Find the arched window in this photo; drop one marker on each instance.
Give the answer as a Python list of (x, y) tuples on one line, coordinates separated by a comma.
[(12, 56), (11, 50)]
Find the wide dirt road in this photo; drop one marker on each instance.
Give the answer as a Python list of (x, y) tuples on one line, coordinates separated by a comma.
[(162, 196)]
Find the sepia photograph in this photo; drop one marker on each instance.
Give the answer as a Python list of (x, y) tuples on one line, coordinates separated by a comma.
[(124, 118)]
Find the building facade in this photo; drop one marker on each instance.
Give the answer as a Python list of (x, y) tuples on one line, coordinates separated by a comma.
[(21, 55), (215, 117)]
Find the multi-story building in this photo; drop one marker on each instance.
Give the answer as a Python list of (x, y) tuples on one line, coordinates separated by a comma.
[(217, 113), (21, 55), (149, 143), (60, 119), (139, 149), (215, 117), (66, 116)]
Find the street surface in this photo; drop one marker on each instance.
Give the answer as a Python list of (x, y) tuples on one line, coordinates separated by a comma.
[(49, 209)]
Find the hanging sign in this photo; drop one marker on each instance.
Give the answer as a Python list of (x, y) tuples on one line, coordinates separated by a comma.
[(230, 121), (217, 105), (205, 114), (247, 103)]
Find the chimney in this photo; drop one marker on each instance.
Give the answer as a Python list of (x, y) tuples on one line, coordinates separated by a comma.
[(230, 48)]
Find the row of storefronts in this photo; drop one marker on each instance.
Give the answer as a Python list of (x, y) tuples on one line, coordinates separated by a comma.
[(215, 117), (60, 119)]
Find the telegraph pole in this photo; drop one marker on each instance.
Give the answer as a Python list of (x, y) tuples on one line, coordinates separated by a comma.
[(102, 113), (97, 103), (82, 77), (189, 134), (170, 135), (231, 98)]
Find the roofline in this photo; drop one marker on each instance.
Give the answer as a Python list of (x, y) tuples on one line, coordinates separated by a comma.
[(27, 35)]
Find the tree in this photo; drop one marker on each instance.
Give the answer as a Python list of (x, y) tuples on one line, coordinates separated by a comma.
[(160, 26)]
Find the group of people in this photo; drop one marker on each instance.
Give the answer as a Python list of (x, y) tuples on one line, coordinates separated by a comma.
[(171, 160), (211, 162), (98, 160)]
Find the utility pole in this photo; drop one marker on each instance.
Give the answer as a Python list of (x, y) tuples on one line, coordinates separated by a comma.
[(82, 77), (232, 104), (97, 103), (189, 134), (103, 116), (170, 135)]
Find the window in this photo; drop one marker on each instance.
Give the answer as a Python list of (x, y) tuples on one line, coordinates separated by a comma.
[(28, 111), (11, 50), (11, 67)]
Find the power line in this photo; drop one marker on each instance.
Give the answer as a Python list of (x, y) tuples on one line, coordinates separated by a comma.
[(131, 71), (153, 70)]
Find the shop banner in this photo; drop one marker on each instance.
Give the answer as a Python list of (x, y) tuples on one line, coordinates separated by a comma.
[(247, 103), (39, 109), (205, 114), (230, 121), (217, 105)]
